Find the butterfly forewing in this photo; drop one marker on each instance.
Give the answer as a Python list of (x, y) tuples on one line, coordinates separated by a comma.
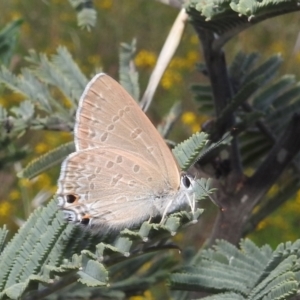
[(108, 116)]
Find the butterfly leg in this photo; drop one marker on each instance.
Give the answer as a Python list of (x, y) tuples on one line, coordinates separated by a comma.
[(165, 212), (192, 202)]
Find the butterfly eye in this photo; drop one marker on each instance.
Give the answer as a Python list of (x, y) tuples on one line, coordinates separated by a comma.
[(186, 181), (85, 221), (71, 198)]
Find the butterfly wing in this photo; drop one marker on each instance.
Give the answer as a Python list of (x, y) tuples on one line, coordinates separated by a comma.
[(110, 126)]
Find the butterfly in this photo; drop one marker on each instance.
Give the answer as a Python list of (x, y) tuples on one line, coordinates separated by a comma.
[(122, 172)]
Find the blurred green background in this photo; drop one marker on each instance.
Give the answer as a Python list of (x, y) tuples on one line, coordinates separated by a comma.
[(48, 24)]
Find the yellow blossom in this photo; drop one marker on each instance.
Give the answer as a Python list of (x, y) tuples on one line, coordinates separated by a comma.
[(14, 15), (147, 296), (94, 60), (5, 208), (2, 101), (24, 182), (66, 135), (67, 103), (137, 298), (188, 118), (44, 181), (278, 47), (292, 206), (145, 59), (170, 79), (273, 190), (51, 139), (41, 148), (193, 121), (178, 237), (53, 189), (192, 58), (14, 195), (14, 98), (103, 4), (261, 225), (177, 62), (195, 128)]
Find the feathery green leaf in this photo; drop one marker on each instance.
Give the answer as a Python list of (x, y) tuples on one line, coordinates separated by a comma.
[(47, 161)]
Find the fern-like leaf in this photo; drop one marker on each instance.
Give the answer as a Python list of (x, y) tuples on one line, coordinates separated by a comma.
[(3, 235), (86, 14), (93, 274), (250, 273), (189, 150), (8, 40), (64, 62), (46, 161), (128, 75), (227, 18), (47, 72)]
